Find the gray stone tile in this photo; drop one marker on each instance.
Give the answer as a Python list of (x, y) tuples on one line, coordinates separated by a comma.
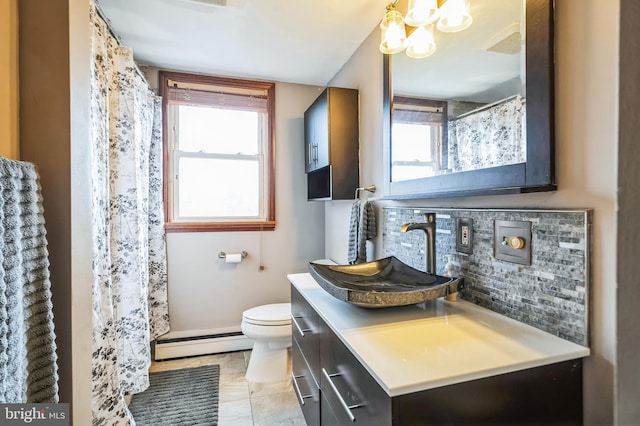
[(276, 409), (262, 389), (233, 387), (550, 294), (235, 413)]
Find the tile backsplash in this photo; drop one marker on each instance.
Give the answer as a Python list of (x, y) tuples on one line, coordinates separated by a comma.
[(551, 294)]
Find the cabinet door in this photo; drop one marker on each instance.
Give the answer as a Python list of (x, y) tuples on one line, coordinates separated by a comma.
[(306, 331), (352, 394), (309, 141), (316, 134), (327, 417), (305, 387)]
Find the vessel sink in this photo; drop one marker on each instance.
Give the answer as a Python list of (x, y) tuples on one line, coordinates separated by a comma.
[(382, 283)]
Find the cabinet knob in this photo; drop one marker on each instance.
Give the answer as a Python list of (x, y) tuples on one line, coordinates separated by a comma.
[(516, 242)]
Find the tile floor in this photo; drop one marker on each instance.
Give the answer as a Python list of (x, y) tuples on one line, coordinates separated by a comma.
[(242, 403)]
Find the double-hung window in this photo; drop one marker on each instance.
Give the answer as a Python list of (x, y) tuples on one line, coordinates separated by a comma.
[(419, 135), (219, 149)]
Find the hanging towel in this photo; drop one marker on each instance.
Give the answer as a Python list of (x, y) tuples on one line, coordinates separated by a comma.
[(362, 227), (354, 229), (28, 361)]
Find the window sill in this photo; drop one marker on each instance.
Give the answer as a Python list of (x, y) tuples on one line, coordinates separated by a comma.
[(219, 226)]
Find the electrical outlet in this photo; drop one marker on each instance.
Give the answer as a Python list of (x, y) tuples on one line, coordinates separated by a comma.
[(464, 235)]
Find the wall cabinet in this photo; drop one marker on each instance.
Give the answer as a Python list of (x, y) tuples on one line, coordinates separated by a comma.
[(331, 136), (334, 388)]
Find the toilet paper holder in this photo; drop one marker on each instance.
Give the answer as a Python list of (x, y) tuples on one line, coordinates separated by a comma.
[(223, 255)]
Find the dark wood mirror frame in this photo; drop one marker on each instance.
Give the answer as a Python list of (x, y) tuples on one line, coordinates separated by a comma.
[(538, 172)]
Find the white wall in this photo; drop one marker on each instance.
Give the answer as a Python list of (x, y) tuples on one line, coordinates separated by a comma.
[(81, 240), (586, 135), (54, 134), (207, 294), (362, 72)]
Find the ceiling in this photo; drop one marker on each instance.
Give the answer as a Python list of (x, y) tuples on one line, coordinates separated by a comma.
[(481, 64), (297, 41)]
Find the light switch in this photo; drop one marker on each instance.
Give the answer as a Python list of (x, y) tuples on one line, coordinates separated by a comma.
[(512, 241)]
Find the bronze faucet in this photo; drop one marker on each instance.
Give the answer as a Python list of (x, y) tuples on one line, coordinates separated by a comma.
[(429, 227)]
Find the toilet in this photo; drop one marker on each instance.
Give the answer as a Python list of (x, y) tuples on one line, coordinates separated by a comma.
[(269, 326)]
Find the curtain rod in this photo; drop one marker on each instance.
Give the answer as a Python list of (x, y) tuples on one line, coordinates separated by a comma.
[(487, 106), (118, 39)]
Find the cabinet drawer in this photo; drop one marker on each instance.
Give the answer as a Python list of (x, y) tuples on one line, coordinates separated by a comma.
[(305, 329), (353, 395), (305, 387)]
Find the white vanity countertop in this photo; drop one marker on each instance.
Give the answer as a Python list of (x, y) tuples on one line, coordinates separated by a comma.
[(438, 343)]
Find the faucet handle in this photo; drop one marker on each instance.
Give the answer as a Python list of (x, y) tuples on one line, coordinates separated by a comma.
[(428, 216)]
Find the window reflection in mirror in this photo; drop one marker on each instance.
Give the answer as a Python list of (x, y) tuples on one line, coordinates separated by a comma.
[(419, 132), (476, 78)]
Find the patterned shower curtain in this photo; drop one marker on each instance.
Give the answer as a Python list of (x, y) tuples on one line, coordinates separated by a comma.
[(129, 254), (491, 137)]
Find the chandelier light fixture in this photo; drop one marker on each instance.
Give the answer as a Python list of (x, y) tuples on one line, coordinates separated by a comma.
[(415, 32)]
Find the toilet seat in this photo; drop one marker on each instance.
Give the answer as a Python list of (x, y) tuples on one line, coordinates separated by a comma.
[(269, 315)]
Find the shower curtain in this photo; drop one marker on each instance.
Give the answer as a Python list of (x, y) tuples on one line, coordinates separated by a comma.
[(489, 138), (129, 254)]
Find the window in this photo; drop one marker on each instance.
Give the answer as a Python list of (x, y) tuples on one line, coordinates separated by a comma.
[(419, 138), (218, 153)]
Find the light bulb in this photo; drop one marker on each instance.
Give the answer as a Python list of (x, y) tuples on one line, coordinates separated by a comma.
[(455, 15), (394, 37), (421, 12), (420, 43)]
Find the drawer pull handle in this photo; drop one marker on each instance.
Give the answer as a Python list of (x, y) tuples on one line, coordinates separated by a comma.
[(300, 330), (295, 385), (346, 407)]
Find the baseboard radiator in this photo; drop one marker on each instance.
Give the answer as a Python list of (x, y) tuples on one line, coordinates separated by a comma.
[(178, 345)]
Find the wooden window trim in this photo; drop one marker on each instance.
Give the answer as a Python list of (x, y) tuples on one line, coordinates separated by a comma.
[(270, 223)]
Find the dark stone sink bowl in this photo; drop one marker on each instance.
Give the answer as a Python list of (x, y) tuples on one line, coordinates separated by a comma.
[(382, 283)]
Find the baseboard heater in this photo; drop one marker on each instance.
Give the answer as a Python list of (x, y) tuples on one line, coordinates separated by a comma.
[(178, 347)]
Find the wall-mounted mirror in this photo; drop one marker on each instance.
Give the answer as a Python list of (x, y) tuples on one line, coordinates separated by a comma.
[(475, 117)]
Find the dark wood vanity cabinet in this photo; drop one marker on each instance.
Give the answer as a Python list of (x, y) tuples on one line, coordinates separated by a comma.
[(332, 387), (305, 348), (331, 137), (335, 389)]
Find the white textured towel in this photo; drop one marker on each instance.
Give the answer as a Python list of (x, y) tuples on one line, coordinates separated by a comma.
[(362, 227)]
